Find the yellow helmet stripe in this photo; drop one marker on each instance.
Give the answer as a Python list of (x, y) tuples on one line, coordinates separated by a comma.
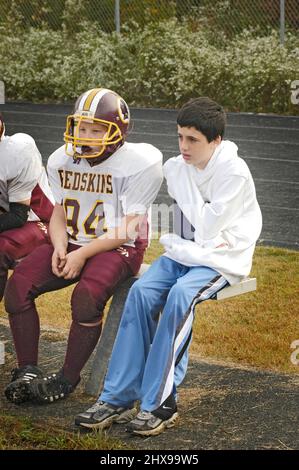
[(90, 98)]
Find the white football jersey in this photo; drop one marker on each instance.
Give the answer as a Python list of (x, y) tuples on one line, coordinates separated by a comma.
[(96, 198), (22, 176)]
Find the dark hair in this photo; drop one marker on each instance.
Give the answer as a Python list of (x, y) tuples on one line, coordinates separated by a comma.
[(205, 115)]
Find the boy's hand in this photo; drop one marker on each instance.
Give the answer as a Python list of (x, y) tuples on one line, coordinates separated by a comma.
[(74, 262), (58, 261)]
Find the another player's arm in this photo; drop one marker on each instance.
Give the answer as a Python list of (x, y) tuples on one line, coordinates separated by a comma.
[(20, 187), (110, 240), (16, 217), (59, 239)]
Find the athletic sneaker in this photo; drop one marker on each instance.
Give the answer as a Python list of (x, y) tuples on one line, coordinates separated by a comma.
[(51, 388), (101, 415), (153, 423), (19, 389)]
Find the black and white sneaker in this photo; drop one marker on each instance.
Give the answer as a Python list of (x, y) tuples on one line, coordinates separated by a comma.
[(101, 415), (153, 423), (51, 388), (19, 389)]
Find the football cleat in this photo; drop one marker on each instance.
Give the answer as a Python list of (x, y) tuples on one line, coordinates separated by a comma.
[(51, 388), (19, 389)]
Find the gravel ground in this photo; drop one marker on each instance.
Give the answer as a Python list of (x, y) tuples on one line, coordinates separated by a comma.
[(221, 406)]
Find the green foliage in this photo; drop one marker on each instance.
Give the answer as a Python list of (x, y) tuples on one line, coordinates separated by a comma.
[(260, 74), (234, 16), (228, 16), (161, 65)]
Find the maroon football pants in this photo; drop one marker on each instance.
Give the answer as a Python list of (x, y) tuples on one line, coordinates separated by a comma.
[(17, 243), (97, 281)]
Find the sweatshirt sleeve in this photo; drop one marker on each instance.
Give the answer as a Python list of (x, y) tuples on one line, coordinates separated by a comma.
[(214, 216)]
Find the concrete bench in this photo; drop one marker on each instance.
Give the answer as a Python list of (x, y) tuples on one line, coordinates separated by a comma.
[(106, 342)]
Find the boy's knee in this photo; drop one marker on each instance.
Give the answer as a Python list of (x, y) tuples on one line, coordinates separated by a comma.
[(7, 254), (138, 288), (5, 260), (5, 249), (87, 317), (4, 244), (178, 290), (16, 294), (85, 307)]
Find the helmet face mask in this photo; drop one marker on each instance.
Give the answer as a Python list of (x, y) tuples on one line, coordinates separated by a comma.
[(98, 125), (104, 133)]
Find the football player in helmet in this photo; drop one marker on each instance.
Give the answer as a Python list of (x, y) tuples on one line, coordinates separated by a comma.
[(26, 202), (97, 109), (103, 188)]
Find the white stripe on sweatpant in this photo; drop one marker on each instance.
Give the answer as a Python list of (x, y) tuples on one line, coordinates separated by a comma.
[(204, 295)]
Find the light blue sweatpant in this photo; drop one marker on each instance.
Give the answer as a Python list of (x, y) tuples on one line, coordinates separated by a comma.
[(150, 355)]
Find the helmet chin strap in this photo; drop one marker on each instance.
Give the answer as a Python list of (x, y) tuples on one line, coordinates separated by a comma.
[(82, 152), (110, 150), (101, 158)]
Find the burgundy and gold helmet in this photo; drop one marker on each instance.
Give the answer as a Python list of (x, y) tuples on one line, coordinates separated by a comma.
[(103, 106), (2, 126)]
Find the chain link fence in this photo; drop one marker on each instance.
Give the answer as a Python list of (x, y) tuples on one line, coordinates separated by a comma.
[(228, 16)]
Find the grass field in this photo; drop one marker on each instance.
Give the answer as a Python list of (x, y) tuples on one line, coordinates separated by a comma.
[(254, 329), (19, 433)]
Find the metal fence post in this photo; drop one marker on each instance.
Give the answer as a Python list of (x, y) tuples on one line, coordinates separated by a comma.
[(2, 92), (282, 21), (117, 16)]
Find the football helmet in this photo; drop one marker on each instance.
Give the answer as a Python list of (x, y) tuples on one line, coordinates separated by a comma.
[(104, 107), (2, 126)]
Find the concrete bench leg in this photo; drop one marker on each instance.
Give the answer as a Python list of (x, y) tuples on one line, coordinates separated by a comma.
[(106, 342)]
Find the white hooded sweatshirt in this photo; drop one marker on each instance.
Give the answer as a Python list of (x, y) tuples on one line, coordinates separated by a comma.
[(219, 202)]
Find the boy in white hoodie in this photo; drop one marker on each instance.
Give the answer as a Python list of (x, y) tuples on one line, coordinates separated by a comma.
[(217, 221)]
